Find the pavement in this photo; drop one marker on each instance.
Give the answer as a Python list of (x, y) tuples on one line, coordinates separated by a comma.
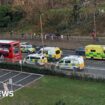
[(19, 79), (72, 42)]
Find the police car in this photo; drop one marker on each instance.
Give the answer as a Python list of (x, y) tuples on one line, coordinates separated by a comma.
[(35, 59), (27, 47), (72, 62)]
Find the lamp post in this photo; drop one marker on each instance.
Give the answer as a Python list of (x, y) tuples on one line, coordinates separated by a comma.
[(94, 17), (41, 29)]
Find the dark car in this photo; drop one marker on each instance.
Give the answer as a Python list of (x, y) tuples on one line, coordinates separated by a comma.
[(39, 47), (80, 51)]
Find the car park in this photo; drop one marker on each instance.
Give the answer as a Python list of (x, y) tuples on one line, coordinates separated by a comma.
[(27, 47), (72, 62), (36, 59)]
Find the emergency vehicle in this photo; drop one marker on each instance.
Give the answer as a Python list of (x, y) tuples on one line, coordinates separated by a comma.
[(27, 47), (95, 51), (10, 50), (52, 53), (72, 62), (35, 59)]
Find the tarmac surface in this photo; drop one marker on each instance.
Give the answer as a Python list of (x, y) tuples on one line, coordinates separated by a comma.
[(19, 79)]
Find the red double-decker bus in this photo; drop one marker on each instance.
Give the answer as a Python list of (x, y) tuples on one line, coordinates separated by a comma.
[(10, 50)]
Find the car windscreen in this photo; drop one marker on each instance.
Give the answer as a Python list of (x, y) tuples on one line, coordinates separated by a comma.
[(29, 46), (36, 58)]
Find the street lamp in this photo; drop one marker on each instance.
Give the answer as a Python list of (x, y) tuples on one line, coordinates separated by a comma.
[(41, 29), (94, 17)]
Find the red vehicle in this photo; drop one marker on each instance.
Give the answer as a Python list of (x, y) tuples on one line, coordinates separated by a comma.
[(10, 50)]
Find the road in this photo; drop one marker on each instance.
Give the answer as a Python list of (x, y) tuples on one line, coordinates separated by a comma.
[(95, 67)]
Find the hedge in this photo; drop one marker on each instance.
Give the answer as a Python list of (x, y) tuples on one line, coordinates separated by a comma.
[(30, 68), (44, 71)]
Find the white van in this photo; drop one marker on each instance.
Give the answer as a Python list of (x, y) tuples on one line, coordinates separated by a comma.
[(35, 59), (72, 62), (53, 53)]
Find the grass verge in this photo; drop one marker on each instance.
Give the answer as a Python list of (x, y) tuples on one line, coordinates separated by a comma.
[(51, 89)]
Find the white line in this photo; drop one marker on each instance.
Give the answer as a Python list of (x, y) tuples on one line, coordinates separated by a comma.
[(13, 84), (34, 80), (23, 78), (4, 74), (12, 76), (28, 83), (21, 72), (95, 68)]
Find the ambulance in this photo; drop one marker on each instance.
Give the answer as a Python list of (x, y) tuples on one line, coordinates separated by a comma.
[(95, 51), (52, 53), (35, 59), (72, 62)]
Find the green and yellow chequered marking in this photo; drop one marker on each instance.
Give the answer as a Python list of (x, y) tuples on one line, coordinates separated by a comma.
[(95, 55)]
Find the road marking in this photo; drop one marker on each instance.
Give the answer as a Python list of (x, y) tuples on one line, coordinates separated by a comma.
[(12, 76), (22, 79), (22, 72), (95, 68), (20, 85), (5, 74)]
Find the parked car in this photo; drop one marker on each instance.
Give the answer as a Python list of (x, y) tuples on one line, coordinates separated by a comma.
[(35, 59), (80, 51), (27, 47)]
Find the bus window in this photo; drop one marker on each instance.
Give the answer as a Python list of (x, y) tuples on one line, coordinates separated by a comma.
[(4, 47), (16, 48)]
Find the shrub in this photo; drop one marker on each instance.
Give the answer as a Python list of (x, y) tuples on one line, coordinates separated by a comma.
[(45, 71), (10, 15)]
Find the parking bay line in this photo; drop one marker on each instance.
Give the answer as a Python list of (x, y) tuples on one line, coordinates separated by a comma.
[(22, 86), (22, 79), (5, 74), (29, 83), (13, 76), (22, 72)]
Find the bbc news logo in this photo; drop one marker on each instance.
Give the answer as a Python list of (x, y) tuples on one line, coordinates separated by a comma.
[(6, 93)]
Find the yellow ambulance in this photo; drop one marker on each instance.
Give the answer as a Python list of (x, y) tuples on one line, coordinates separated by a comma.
[(95, 51)]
